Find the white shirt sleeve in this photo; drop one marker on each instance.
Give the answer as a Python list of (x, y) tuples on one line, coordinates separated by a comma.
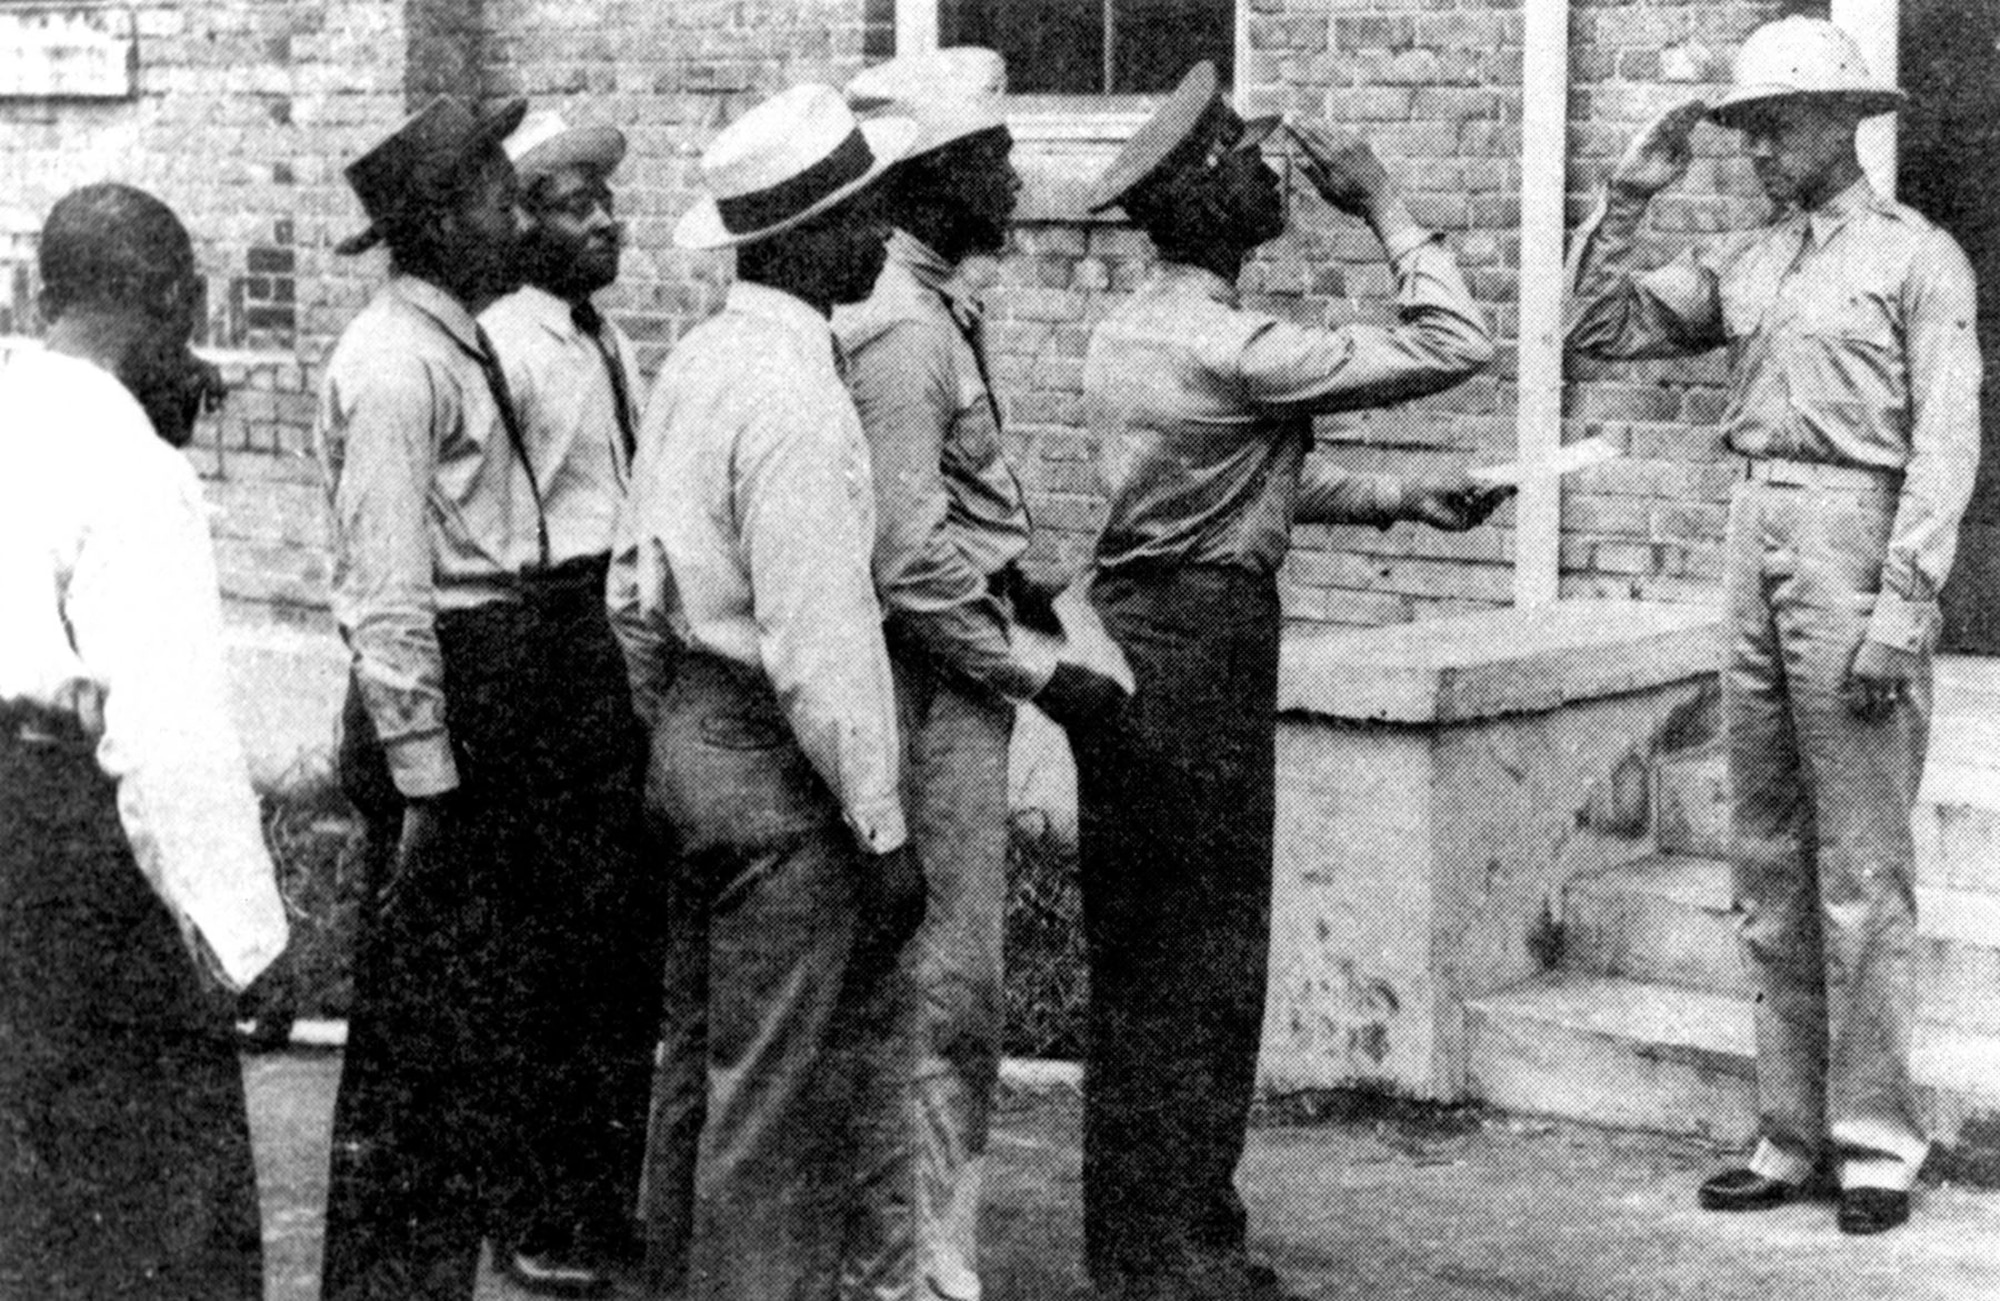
[(145, 614)]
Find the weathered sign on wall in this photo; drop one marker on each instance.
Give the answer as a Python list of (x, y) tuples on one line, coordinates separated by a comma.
[(67, 52)]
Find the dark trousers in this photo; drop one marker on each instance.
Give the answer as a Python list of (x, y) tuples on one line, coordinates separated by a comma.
[(125, 1165), (507, 985), (1177, 812)]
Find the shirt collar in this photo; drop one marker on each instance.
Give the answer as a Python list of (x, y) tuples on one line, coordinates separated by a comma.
[(782, 309), (1825, 220), (547, 310), (448, 312), (932, 272), (1200, 280)]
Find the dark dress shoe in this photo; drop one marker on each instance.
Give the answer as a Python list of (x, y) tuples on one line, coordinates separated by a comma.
[(1872, 1210), (549, 1275), (1746, 1190)]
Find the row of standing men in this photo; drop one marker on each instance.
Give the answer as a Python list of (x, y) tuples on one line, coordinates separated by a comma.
[(724, 691), (808, 583)]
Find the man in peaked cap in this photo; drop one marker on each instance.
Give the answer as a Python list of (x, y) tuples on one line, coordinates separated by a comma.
[(1854, 405), (1203, 413), (952, 528), (742, 594), (486, 726), (594, 1009)]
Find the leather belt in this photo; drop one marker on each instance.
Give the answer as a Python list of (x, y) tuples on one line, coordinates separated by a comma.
[(1821, 474)]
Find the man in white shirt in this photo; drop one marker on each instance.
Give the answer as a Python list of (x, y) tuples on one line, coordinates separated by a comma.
[(741, 591), (594, 1013), (136, 895)]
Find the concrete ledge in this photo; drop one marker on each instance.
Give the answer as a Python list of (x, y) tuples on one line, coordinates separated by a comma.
[(1496, 662)]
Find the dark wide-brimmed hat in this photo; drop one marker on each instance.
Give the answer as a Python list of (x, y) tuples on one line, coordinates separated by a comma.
[(1195, 105), (793, 156), (419, 163)]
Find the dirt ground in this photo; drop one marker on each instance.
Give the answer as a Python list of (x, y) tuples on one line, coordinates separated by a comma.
[(1367, 1204)]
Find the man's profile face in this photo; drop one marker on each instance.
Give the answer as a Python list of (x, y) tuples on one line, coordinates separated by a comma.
[(1796, 146), (573, 240), (1248, 192), (487, 225), (987, 187), (849, 242)]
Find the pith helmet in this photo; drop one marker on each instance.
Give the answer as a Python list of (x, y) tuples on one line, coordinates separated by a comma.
[(1802, 56)]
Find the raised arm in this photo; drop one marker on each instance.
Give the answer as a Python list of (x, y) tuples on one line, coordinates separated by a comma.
[(1618, 311)]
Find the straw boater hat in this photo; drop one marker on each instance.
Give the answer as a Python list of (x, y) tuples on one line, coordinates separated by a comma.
[(1195, 105), (544, 144), (952, 93), (407, 173), (786, 161)]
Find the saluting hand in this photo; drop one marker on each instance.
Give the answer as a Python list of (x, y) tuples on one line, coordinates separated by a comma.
[(1659, 155), (1453, 501), (1344, 169)]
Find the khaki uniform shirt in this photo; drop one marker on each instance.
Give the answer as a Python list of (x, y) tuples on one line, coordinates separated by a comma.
[(1203, 410), (747, 536), (950, 512), (1851, 342)]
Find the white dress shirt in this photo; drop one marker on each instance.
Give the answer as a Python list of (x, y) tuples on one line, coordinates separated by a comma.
[(748, 534), (108, 592), (560, 385)]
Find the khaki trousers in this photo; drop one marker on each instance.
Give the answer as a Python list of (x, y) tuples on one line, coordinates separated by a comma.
[(774, 1162), (1825, 864)]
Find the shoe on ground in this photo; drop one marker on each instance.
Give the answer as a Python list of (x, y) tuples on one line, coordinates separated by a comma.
[(1872, 1210), (1746, 1190), (549, 1275)]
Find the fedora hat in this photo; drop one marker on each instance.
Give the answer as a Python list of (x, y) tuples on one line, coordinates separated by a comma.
[(415, 165), (952, 93), (1194, 104), (544, 143), (785, 161)]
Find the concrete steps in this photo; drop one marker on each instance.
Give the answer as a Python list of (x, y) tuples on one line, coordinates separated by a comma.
[(1646, 1023), (1647, 1056), (1666, 919)]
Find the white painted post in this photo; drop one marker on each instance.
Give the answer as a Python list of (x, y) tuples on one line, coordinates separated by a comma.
[(916, 25), (1544, 193), (1874, 25)]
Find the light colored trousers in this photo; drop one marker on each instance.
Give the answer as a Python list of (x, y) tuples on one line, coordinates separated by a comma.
[(1824, 862), (774, 1162), (958, 803)]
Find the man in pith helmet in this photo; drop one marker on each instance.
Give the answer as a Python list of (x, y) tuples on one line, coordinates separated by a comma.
[(1853, 410)]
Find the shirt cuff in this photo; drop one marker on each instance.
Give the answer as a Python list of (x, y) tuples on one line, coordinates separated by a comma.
[(1901, 623), (1401, 241), (878, 825), (422, 765), (1037, 660)]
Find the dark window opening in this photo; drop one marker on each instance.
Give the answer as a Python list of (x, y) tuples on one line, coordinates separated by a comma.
[(1095, 47)]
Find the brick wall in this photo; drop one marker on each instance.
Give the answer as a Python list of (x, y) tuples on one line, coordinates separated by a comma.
[(248, 108), (245, 111)]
